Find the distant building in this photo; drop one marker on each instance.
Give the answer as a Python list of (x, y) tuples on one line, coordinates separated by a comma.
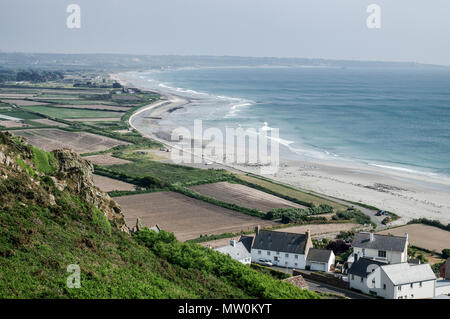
[(445, 269), (281, 248), (384, 248), (240, 250), (320, 259), (392, 281), (443, 285)]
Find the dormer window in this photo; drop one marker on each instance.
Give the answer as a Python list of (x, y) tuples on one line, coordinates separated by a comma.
[(382, 253)]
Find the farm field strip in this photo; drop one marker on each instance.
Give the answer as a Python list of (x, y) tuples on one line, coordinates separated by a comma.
[(243, 196), (107, 184), (188, 218), (293, 193), (423, 236), (80, 142), (71, 113)]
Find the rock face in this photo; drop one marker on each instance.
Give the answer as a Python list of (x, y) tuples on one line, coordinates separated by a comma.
[(76, 174)]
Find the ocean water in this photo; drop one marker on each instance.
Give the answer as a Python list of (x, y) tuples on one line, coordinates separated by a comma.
[(390, 118)]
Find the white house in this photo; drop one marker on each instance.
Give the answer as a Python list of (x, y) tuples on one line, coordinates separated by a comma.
[(392, 281), (240, 250), (320, 259), (281, 248), (384, 248)]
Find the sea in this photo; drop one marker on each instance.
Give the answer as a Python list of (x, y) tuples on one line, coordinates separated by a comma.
[(390, 118)]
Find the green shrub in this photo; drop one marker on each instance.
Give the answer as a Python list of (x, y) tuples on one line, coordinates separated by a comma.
[(446, 253), (99, 220), (45, 162)]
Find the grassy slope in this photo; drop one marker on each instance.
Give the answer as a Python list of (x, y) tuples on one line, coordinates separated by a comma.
[(39, 240)]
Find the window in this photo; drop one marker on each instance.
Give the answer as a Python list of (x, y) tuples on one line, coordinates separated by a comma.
[(268, 253), (285, 262), (296, 256), (384, 286), (399, 288), (278, 252), (353, 277), (400, 297), (420, 284), (296, 264), (412, 285), (382, 253), (259, 252), (412, 296), (362, 279), (286, 255), (364, 252)]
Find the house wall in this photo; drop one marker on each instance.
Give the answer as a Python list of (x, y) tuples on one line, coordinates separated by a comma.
[(322, 266), (379, 283), (392, 257), (416, 292), (283, 261), (246, 260), (370, 285), (331, 262), (442, 290)]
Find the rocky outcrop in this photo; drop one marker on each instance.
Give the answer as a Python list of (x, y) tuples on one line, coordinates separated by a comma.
[(76, 173)]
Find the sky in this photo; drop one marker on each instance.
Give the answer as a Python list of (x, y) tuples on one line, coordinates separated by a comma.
[(411, 30)]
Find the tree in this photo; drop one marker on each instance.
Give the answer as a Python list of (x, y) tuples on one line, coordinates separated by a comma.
[(446, 253)]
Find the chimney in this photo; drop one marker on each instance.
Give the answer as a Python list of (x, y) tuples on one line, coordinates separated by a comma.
[(406, 236), (233, 243), (371, 237), (308, 233), (257, 229)]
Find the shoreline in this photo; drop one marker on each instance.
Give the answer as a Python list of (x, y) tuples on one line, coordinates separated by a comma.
[(407, 195)]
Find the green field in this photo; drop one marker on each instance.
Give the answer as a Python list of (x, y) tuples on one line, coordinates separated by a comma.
[(170, 173), (64, 113), (17, 113)]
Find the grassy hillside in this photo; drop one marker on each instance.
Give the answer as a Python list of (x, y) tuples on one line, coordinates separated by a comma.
[(46, 226)]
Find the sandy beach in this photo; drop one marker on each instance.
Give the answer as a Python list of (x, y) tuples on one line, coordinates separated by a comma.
[(408, 195)]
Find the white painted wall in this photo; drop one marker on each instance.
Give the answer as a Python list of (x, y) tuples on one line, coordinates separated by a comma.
[(416, 292), (322, 266), (386, 289), (290, 261), (392, 257), (442, 290)]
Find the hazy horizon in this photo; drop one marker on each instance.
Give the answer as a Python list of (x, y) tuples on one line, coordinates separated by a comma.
[(411, 31)]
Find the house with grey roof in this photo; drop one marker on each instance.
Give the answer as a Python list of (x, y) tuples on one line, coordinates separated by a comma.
[(238, 250), (385, 248), (320, 259), (392, 281), (281, 248)]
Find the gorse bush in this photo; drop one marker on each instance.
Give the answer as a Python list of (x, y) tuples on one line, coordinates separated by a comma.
[(289, 215), (352, 214)]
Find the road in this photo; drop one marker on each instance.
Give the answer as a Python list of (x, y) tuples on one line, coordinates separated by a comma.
[(325, 288)]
